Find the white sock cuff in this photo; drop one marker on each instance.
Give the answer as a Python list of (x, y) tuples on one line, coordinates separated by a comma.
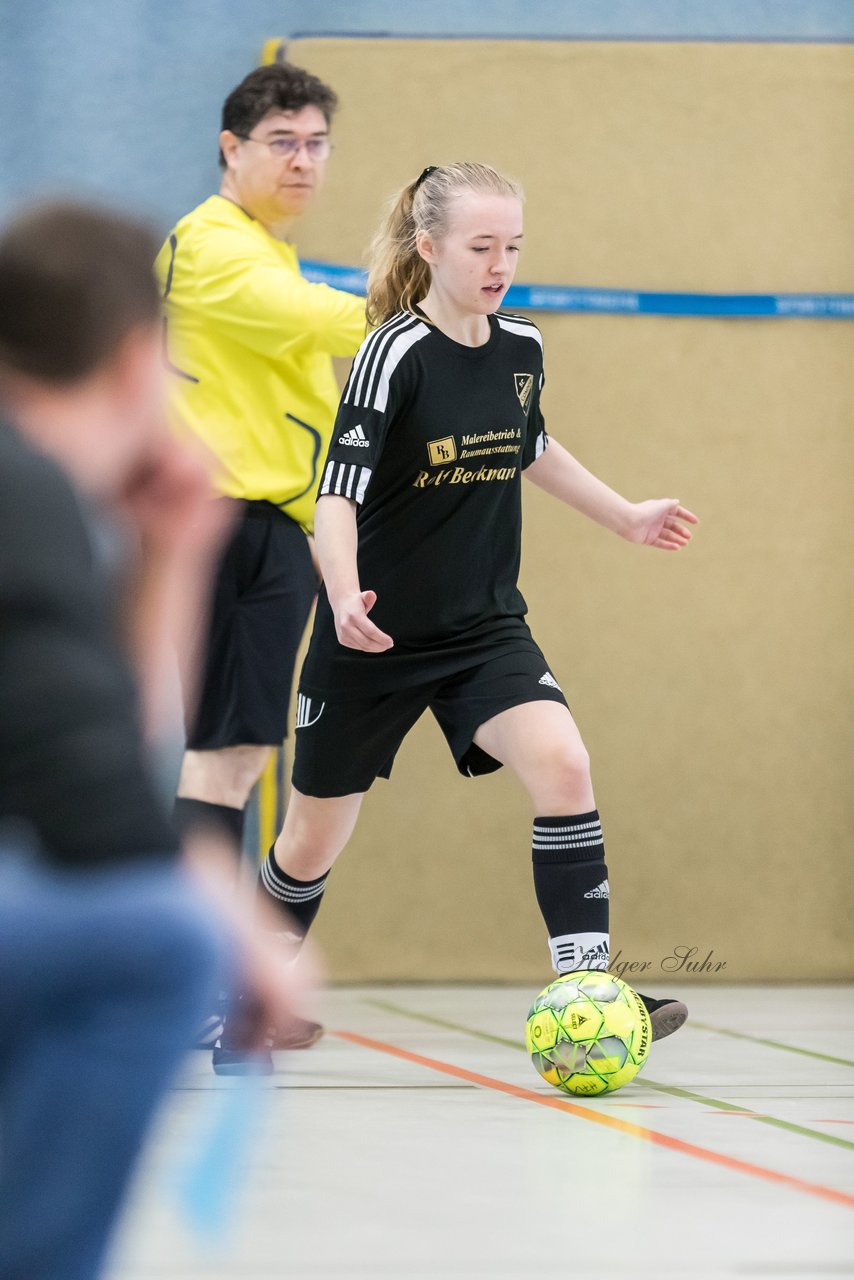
[(573, 951)]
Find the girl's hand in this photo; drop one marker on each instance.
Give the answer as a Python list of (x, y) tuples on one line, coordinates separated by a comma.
[(353, 626), (660, 522)]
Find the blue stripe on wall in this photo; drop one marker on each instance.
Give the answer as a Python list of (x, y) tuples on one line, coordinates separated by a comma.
[(567, 298)]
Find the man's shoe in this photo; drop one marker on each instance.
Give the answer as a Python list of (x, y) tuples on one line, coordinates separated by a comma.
[(666, 1016), (298, 1034), (242, 1062), (237, 1052)]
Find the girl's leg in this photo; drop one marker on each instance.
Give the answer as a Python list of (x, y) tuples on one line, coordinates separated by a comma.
[(315, 831), (540, 742)]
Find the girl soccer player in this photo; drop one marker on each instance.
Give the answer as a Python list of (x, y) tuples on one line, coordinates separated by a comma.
[(418, 535)]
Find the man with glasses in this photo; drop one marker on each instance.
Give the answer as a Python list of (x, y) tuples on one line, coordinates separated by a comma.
[(250, 344)]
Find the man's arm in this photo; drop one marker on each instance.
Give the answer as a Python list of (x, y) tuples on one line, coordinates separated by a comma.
[(267, 307), (178, 531)]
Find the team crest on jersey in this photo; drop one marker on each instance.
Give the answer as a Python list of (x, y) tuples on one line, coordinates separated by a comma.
[(524, 385), (440, 451)]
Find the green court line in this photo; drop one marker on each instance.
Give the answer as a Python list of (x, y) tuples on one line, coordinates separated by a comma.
[(786, 1125), (771, 1044)]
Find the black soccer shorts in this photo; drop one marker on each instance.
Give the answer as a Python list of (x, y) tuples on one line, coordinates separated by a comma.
[(264, 590), (344, 744)]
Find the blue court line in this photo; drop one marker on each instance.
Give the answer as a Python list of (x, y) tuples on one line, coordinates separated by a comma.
[(567, 298)]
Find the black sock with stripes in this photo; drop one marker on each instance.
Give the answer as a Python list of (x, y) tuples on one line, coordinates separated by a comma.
[(571, 883), (300, 899)]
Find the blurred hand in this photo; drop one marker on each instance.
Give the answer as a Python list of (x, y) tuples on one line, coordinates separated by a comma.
[(275, 984), (167, 500), (168, 505), (275, 987)]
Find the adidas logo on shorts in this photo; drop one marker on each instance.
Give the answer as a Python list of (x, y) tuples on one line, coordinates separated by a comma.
[(549, 679), (307, 711), (601, 891), (356, 437)]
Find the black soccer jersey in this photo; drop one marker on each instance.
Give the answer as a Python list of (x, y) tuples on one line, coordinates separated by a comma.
[(430, 440)]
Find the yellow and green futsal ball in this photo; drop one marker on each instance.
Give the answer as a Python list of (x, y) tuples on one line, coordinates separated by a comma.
[(588, 1033)]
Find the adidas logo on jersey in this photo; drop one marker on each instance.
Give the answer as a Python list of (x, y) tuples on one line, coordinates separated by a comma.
[(549, 679), (355, 436), (601, 891)]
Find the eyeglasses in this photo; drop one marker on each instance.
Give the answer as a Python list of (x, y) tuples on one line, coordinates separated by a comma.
[(287, 148)]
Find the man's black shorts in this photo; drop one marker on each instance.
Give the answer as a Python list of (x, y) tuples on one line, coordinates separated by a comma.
[(342, 745), (262, 597)]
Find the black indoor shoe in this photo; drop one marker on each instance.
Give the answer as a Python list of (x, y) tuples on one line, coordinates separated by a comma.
[(242, 1062), (666, 1016)]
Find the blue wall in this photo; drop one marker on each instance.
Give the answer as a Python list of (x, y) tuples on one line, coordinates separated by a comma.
[(121, 99)]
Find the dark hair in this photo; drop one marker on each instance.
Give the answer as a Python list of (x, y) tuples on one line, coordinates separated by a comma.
[(280, 87), (74, 282)]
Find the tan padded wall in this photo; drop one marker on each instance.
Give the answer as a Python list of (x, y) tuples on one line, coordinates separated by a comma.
[(713, 688)]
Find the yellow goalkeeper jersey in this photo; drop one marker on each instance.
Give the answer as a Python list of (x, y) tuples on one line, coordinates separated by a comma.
[(249, 343)]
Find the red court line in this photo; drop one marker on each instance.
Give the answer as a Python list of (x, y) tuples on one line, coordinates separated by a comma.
[(610, 1122), (641, 1106)]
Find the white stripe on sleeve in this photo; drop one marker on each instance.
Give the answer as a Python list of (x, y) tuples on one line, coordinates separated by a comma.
[(396, 352)]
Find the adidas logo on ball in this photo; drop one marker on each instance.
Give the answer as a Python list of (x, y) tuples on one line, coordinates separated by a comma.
[(356, 437)]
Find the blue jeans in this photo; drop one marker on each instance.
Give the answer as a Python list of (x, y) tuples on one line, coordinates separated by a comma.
[(103, 978)]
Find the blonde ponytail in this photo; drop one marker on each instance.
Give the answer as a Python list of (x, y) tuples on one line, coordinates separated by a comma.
[(398, 276)]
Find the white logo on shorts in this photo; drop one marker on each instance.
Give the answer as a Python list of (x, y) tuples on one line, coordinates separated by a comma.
[(549, 679), (306, 716), (355, 436)]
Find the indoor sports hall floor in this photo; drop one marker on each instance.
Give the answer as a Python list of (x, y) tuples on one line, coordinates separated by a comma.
[(416, 1141)]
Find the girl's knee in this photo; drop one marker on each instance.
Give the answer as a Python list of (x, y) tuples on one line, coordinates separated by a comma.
[(305, 853), (565, 777), (570, 763)]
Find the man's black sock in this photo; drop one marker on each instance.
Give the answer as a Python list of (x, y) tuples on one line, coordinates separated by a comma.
[(198, 815), (571, 883)]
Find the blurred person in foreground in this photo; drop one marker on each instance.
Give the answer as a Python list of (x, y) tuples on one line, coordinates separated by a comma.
[(250, 344), (109, 947)]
